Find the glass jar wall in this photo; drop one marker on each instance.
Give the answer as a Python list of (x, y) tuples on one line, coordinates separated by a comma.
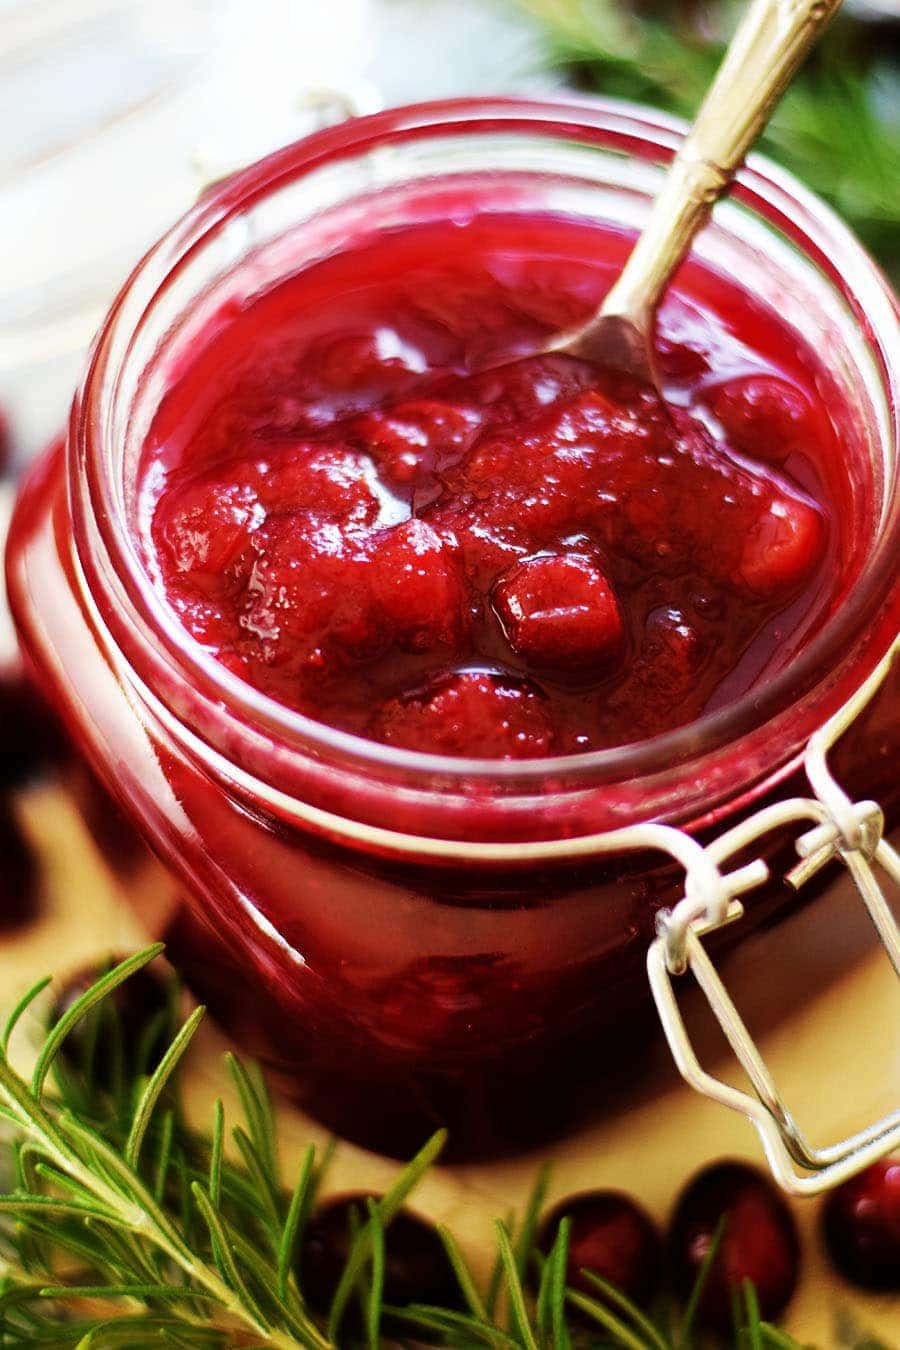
[(407, 939)]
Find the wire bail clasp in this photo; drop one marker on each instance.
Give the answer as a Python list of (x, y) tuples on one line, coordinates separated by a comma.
[(837, 829)]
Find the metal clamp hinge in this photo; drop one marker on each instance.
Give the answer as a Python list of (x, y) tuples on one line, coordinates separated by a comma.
[(838, 828)]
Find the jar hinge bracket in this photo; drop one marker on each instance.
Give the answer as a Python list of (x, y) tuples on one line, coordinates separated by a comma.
[(837, 828)]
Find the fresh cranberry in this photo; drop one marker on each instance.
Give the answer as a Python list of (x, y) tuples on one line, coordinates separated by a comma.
[(861, 1224), (759, 1242), (475, 713), (129, 1030), (416, 1267), (559, 611), (764, 416), (18, 873), (610, 1236)]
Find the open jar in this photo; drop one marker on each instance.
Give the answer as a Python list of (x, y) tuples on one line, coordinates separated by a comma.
[(406, 939)]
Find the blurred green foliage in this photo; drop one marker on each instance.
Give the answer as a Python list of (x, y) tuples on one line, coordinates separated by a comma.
[(837, 128)]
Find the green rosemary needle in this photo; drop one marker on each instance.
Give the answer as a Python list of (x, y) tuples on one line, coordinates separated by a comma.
[(123, 1226)]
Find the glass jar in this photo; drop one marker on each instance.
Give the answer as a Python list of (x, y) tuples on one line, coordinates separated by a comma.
[(405, 939)]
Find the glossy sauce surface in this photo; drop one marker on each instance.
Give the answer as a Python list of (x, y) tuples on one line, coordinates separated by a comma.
[(536, 559)]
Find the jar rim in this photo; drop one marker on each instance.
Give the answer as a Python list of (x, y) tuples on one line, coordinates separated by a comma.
[(753, 712)]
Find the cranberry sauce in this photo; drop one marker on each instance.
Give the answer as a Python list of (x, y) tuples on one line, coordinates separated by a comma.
[(353, 514), (535, 558)]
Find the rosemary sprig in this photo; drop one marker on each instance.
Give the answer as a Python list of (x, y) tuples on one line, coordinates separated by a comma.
[(837, 128), (108, 1213), (125, 1227)]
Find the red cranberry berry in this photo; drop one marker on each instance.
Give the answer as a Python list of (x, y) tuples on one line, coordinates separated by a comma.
[(764, 416), (132, 1026), (559, 610), (17, 872), (418, 589), (416, 1267), (782, 546), (470, 713), (861, 1224), (611, 1236), (759, 1242)]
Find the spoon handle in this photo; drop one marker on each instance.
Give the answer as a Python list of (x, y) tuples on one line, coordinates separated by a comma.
[(773, 38)]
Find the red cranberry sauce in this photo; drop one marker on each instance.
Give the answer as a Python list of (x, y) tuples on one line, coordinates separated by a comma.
[(536, 559)]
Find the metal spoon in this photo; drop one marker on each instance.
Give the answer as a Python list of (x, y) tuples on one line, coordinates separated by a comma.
[(771, 42)]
